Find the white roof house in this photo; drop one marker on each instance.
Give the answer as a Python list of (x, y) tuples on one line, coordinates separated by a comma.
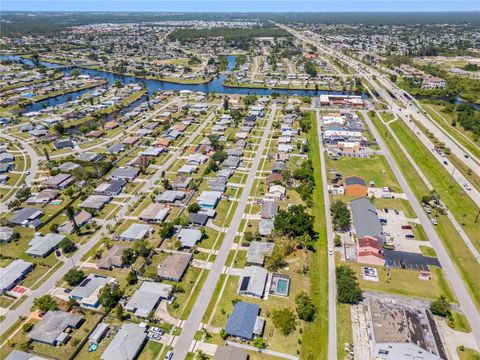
[(126, 344), (13, 273), (41, 246), (189, 237), (136, 232), (147, 297)]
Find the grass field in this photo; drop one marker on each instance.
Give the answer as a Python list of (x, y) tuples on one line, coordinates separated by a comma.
[(428, 251), (460, 322), (315, 336), (454, 246), (344, 329), (468, 354)]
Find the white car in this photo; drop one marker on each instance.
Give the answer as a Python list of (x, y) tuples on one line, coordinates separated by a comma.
[(467, 187), (434, 221), (330, 251)]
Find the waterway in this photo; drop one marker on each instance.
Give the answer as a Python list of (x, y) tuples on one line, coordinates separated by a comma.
[(213, 86)]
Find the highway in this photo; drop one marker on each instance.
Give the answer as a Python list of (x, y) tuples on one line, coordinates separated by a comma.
[(49, 284), (451, 272), (193, 322)]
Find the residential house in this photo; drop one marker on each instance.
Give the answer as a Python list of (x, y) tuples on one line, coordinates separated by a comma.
[(86, 293), (81, 218), (27, 217), (189, 237), (244, 322), (170, 197), (55, 327), (13, 273), (257, 251), (6, 234), (126, 344), (147, 298), (253, 281), (112, 258), (95, 202), (174, 266), (136, 232), (154, 212), (209, 199), (129, 174), (43, 245), (59, 181)]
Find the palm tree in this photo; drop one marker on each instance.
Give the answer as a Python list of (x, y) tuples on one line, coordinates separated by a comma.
[(71, 216)]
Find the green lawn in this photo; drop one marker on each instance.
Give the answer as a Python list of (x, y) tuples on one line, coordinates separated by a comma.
[(428, 251), (453, 244), (344, 329), (460, 322), (468, 354), (373, 169), (315, 335)]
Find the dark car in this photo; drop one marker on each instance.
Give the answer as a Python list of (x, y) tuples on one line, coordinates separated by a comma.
[(410, 236)]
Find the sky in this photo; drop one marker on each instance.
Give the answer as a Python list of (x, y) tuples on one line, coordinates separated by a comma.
[(239, 5)]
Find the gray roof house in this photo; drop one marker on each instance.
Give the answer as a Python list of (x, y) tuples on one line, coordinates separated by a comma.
[(189, 237), (126, 344), (217, 184), (62, 144), (232, 162), (51, 329), (6, 234), (13, 273), (20, 355), (170, 196), (174, 266), (244, 322), (198, 219), (111, 188), (115, 148), (27, 217), (136, 232), (365, 219), (112, 258), (253, 281), (68, 166), (265, 227), (98, 333), (41, 246), (181, 182), (86, 293), (96, 202), (269, 209), (129, 173), (59, 181), (257, 251), (147, 297), (81, 219), (90, 156)]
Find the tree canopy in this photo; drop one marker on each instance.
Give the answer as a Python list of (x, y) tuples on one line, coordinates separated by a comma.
[(74, 277), (348, 289)]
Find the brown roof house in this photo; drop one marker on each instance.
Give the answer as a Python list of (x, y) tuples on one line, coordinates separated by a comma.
[(174, 266)]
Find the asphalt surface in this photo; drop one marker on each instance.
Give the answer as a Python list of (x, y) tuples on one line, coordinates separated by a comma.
[(451, 272), (49, 284), (332, 286), (194, 319)]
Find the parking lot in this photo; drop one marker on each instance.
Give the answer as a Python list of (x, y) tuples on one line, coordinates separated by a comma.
[(408, 260)]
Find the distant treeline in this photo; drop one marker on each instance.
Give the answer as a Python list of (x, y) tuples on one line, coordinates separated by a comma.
[(22, 23), (228, 34)]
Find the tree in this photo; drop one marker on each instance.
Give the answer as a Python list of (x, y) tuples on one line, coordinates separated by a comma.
[(109, 296), (219, 156), (284, 320), (74, 277), (118, 83), (305, 307), (27, 327), (441, 307), (45, 303), (167, 230), (142, 249), (75, 72), (341, 218), (223, 334), (293, 222), (128, 257), (215, 142), (24, 193), (259, 343), (67, 245), (348, 289), (194, 208), (277, 259), (71, 216), (119, 312), (132, 278)]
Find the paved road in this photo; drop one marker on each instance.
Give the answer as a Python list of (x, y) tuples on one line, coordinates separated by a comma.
[(193, 322), (410, 109), (49, 284), (455, 223), (451, 272), (332, 287), (34, 159)]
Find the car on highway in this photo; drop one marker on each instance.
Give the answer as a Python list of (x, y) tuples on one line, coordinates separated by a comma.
[(465, 156), (330, 251), (27, 172), (467, 186), (445, 162)]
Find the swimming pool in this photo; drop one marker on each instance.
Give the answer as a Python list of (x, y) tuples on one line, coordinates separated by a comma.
[(282, 287)]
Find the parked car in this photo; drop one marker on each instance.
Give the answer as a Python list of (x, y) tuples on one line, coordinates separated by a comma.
[(409, 236), (383, 221), (169, 355), (434, 221), (406, 227)]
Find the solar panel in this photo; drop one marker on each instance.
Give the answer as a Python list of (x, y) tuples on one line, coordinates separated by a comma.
[(244, 285)]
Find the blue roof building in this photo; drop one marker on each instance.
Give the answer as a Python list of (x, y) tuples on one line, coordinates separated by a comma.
[(244, 321)]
